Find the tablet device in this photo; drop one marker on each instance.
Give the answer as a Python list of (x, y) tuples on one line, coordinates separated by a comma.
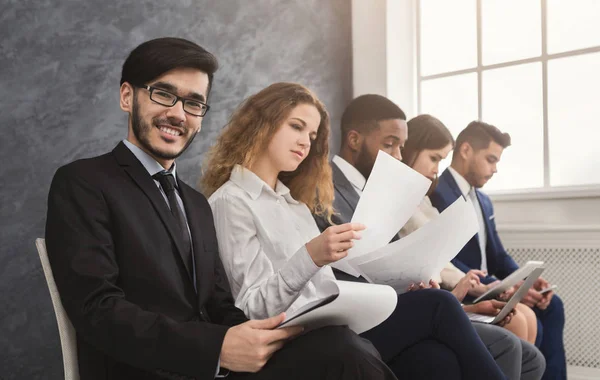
[(510, 281), (514, 300), (548, 289)]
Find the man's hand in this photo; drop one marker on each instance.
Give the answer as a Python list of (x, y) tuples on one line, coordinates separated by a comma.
[(248, 347), (333, 244), (538, 285), (532, 298), (468, 282), (490, 307)]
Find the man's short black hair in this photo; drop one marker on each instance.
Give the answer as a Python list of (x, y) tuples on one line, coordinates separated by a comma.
[(364, 113), (153, 58), (479, 135)]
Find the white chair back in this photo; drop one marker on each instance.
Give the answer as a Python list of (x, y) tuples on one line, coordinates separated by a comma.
[(66, 331)]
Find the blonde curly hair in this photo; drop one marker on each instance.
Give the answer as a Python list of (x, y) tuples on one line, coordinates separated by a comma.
[(249, 132)]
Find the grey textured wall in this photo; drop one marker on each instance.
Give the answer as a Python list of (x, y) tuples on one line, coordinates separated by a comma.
[(60, 64)]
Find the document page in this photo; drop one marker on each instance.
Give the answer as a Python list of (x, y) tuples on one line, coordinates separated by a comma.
[(392, 194), (358, 305), (422, 254)]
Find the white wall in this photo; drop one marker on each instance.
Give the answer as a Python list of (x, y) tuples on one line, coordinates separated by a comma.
[(369, 64), (383, 51)]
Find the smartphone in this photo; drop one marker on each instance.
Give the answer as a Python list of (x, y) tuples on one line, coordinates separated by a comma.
[(548, 289)]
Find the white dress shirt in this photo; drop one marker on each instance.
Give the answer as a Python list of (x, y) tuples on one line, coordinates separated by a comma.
[(262, 235), (357, 180), (469, 192)]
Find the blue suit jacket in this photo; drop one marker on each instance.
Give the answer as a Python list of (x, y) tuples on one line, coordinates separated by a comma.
[(499, 263)]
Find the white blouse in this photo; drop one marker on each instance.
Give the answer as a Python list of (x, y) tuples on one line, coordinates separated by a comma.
[(262, 235)]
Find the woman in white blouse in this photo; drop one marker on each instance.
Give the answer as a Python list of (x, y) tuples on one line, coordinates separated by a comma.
[(262, 179), (428, 144)]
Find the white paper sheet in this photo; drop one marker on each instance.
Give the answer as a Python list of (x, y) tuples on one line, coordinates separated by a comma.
[(420, 255), (392, 194), (360, 306)]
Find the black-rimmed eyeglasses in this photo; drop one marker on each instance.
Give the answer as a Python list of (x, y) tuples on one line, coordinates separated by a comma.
[(168, 99)]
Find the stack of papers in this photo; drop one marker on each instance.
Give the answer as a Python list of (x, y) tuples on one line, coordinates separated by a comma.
[(423, 254), (390, 197)]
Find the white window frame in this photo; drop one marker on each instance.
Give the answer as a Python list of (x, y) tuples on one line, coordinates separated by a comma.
[(547, 191)]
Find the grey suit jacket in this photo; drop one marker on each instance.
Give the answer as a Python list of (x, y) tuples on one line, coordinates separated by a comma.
[(344, 202)]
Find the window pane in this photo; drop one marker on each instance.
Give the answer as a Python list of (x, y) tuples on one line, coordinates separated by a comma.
[(448, 32), (522, 38), (453, 100), (512, 101), (573, 114), (573, 25)]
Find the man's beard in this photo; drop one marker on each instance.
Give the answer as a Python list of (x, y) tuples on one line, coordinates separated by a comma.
[(473, 179), (141, 131), (365, 161)]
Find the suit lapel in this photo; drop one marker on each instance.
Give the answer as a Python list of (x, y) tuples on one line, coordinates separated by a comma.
[(140, 176), (452, 185), (344, 187), (448, 178)]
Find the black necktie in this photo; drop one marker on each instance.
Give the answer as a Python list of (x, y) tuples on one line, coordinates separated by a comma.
[(167, 182)]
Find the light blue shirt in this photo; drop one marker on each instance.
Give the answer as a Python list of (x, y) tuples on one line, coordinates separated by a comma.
[(153, 167)]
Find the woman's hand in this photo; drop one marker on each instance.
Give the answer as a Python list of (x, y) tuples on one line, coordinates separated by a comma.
[(432, 285), (467, 283), (333, 244), (491, 307)]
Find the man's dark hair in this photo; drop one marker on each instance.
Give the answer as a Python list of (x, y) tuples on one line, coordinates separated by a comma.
[(364, 113), (479, 135), (153, 58)]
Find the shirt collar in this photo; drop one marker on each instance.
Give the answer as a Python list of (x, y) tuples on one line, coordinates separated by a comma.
[(354, 176), (254, 185), (462, 183), (149, 163)]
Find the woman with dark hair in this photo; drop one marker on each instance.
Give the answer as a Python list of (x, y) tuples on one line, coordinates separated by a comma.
[(428, 144)]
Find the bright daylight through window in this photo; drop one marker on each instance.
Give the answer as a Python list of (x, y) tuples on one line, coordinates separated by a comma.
[(530, 67)]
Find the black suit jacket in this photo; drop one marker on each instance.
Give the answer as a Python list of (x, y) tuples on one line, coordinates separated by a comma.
[(115, 253)]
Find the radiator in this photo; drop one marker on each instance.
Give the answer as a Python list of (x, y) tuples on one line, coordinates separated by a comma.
[(572, 259)]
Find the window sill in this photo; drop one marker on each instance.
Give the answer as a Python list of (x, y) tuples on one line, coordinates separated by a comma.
[(566, 192)]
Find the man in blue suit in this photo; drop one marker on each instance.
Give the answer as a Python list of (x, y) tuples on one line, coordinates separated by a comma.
[(478, 149)]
